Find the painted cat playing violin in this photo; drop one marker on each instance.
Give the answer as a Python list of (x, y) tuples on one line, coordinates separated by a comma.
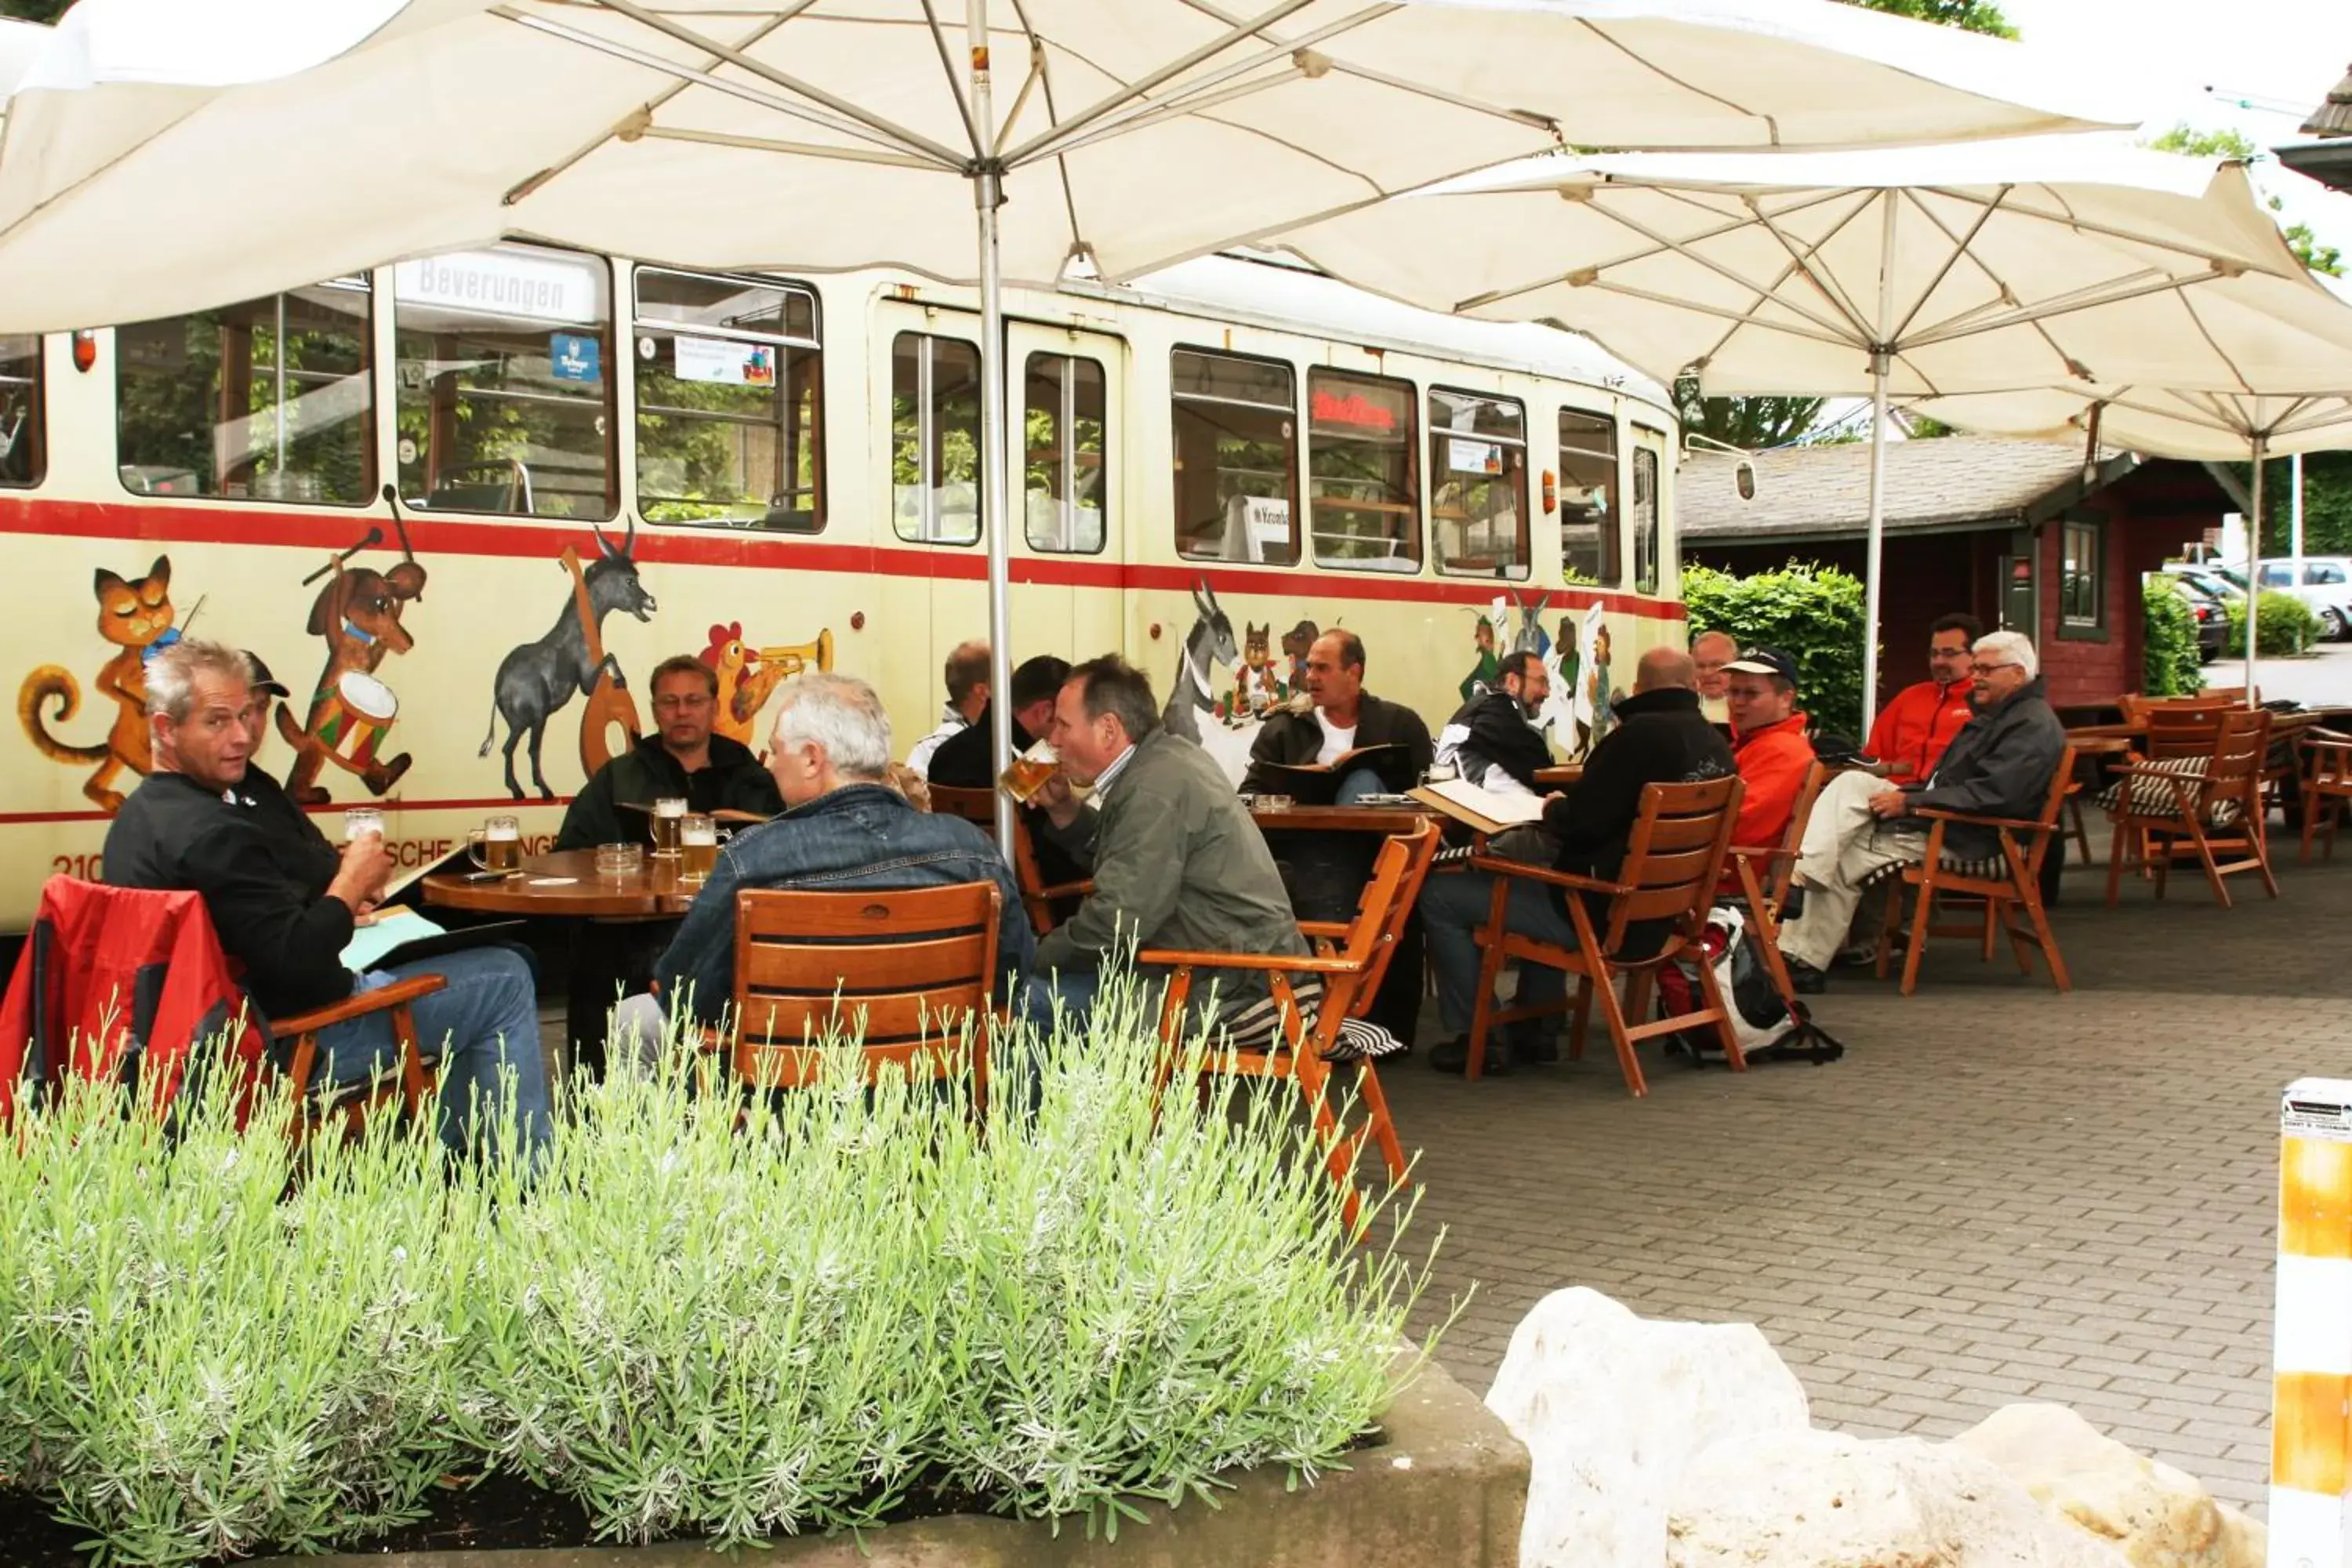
[(136, 616)]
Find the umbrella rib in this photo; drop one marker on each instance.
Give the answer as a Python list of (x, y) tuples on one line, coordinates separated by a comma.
[(1718, 312), (980, 147), (573, 159), (1045, 76), (1961, 250), (1802, 256), (913, 142), (690, 77), (2079, 299), (791, 149), (2188, 305), (2104, 231), (1048, 140), (1651, 67)]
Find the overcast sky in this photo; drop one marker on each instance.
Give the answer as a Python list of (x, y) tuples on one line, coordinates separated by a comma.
[(2279, 56)]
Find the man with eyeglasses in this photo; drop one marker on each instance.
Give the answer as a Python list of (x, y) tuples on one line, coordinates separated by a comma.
[(682, 758), (2000, 765)]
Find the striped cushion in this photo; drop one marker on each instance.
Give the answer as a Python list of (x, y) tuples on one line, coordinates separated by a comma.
[(1361, 1040), (2153, 797), (1256, 1024), (1989, 869)]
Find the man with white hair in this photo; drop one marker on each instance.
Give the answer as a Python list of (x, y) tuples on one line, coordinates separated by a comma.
[(843, 827), (2000, 765)]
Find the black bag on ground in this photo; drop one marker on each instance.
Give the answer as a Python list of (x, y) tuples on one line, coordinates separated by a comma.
[(1768, 1027)]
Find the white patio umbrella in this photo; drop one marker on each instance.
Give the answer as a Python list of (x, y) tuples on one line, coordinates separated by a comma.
[(1903, 273), (2168, 422), (832, 133)]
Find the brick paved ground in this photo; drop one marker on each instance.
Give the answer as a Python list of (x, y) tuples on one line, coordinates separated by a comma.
[(1999, 1194)]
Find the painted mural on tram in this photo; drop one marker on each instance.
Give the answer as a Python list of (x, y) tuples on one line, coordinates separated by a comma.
[(458, 505)]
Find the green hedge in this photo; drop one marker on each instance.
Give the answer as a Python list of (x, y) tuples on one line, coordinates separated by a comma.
[(2169, 663), (701, 1319), (1812, 612), (2288, 627)]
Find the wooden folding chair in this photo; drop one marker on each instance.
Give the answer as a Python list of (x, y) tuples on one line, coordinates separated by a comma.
[(1037, 895), (1351, 958), (2327, 785), (2176, 802), (2005, 886), (1674, 862), (909, 970), (1764, 873), (411, 1087)]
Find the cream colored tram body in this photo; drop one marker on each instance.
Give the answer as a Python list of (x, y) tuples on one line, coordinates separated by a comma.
[(462, 505)]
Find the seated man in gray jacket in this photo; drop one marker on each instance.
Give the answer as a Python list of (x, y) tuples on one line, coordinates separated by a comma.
[(1176, 861), (2000, 765)]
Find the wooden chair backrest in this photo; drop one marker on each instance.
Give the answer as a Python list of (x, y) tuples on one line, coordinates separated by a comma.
[(2054, 804), (1387, 904), (2241, 744), (2183, 729), (1674, 857), (978, 807), (914, 965), (1784, 865), (974, 805)]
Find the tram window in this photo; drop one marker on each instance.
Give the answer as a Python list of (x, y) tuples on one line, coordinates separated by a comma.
[(730, 402), (504, 396), (1587, 499), (1478, 485), (1645, 519), (267, 400), (1236, 459), (1364, 505), (20, 410), (935, 472), (1064, 465)]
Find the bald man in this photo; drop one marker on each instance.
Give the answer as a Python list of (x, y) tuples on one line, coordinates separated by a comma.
[(1661, 738)]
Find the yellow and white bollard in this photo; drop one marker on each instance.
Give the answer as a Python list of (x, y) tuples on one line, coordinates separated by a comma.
[(2311, 1361)]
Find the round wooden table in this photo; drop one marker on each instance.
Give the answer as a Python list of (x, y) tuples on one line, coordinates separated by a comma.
[(567, 883)]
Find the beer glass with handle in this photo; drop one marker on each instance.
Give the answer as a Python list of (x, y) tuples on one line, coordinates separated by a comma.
[(668, 812), (698, 839), (1027, 774), (496, 845)]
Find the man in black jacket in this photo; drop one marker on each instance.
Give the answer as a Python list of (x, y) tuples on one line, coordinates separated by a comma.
[(1340, 717), (1493, 742), (1661, 738), (2000, 765), (966, 759), (186, 828), (682, 758)]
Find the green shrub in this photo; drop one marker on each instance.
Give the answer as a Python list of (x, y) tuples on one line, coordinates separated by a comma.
[(2288, 627), (698, 1318), (2170, 665), (1812, 612)]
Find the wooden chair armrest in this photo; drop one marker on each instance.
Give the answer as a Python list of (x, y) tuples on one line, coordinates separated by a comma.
[(2332, 740), (359, 1004), (1313, 929), (1063, 890), (1502, 868), (1171, 958), (1934, 815), (1763, 854)]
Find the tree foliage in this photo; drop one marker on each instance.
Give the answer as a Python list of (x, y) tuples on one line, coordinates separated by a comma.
[(1970, 15), (2327, 504), (2226, 143), (2169, 663), (1810, 612), (42, 11)]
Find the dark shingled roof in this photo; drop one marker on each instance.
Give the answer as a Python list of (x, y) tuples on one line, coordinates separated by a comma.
[(1949, 482), (2333, 115)]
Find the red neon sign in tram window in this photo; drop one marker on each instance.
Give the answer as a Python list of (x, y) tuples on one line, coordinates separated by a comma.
[(1355, 408)]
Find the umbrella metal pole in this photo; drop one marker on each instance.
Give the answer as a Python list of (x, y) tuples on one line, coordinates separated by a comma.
[(2254, 569), (1878, 368), (996, 502)]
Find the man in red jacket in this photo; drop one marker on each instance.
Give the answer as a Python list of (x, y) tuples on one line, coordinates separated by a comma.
[(1913, 729), (1767, 742)]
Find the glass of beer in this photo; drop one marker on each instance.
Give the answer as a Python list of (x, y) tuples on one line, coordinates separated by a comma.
[(361, 820), (668, 812), (1027, 774), (697, 840), (496, 845)]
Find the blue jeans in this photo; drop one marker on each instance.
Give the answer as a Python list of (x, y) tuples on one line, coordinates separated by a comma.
[(1454, 906), (1359, 784), (1075, 989), (486, 1018)]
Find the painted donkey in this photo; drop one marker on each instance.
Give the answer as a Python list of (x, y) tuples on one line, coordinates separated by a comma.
[(536, 679)]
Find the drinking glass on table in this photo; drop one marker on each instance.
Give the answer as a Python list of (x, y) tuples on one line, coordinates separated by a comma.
[(668, 812), (1027, 774), (361, 820), (620, 860), (697, 838), (496, 845)]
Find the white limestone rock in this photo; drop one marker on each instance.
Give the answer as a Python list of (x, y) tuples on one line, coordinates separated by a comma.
[(1823, 1499), (1612, 1406), (2157, 1515)]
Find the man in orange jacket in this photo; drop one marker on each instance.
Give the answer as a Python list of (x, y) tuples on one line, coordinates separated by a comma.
[(1913, 729), (1767, 744)]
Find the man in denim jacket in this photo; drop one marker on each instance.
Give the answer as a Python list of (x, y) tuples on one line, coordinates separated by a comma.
[(843, 827)]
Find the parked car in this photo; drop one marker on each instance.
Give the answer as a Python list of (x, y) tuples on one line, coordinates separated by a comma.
[(2213, 614), (2323, 582), (2207, 580)]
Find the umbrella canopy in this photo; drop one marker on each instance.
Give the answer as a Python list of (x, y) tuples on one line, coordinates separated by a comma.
[(821, 133), (844, 133), (20, 43), (1908, 272), (1983, 266)]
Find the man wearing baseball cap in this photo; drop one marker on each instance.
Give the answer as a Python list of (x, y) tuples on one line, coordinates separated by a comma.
[(1767, 742)]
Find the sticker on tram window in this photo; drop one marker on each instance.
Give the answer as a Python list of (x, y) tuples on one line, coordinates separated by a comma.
[(571, 357), (1473, 456), (724, 364)]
